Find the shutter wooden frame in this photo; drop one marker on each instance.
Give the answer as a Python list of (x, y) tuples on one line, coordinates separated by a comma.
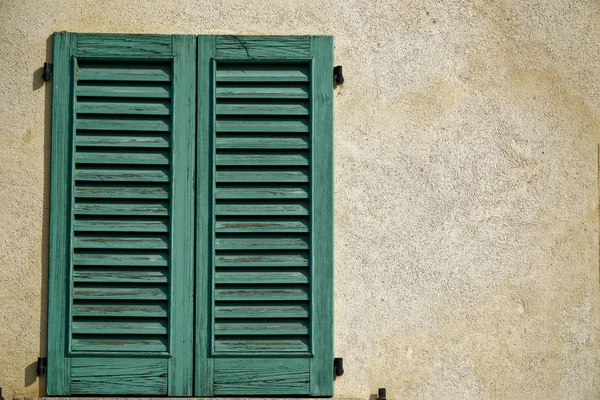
[(318, 52), (138, 370)]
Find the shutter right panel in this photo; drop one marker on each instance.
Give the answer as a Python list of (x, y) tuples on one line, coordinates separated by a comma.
[(263, 312)]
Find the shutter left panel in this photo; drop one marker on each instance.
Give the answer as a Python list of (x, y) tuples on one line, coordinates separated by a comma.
[(126, 314)]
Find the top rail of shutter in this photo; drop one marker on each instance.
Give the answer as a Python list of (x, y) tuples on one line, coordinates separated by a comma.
[(263, 48), (118, 46)]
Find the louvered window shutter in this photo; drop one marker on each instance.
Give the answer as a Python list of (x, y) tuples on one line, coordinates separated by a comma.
[(121, 220), (265, 212)]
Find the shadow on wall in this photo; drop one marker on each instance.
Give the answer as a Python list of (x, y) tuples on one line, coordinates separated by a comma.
[(38, 84)]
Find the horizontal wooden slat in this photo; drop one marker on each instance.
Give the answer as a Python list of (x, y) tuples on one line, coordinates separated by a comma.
[(261, 345), (263, 47), (262, 91), (261, 158), (122, 124), (103, 274), (114, 292), (121, 258), (223, 225), (250, 293), (142, 91), (267, 259), (119, 310), (128, 327), (258, 310), (262, 141), (124, 45), (120, 242), (133, 107), (119, 344), (125, 225), (262, 242), (262, 72), (122, 157), (114, 191), (122, 71), (131, 207), (265, 208), (264, 124), (122, 139), (261, 107), (249, 175), (106, 174), (254, 191), (266, 327), (261, 277)]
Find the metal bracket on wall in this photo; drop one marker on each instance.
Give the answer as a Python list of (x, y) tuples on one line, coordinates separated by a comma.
[(47, 73), (382, 395), (337, 74), (41, 366), (338, 366)]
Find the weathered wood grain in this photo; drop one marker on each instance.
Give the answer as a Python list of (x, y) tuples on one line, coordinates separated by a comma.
[(121, 275), (261, 276), (257, 259), (139, 157), (261, 158), (136, 90), (114, 292), (261, 310), (125, 106), (123, 139), (121, 258), (123, 71), (225, 207), (141, 310), (260, 225), (125, 225), (236, 72), (262, 91), (262, 141), (113, 346), (114, 376), (121, 207), (271, 376), (258, 175), (122, 46), (254, 347), (262, 242), (263, 124), (261, 107), (257, 191), (263, 47), (272, 327), (266, 293), (124, 191), (116, 174)]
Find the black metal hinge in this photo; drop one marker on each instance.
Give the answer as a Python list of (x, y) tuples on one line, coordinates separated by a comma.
[(41, 366), (337, 74), (382, 395), (338, 366), (47, 73)]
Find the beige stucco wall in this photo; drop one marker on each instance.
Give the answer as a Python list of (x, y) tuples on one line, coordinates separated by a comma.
[(467, 137)]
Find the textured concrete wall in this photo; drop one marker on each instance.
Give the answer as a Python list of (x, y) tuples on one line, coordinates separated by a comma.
[(467, 137)]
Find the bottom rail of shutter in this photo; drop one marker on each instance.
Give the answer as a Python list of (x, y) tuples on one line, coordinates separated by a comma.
[(119, 376), (261, 376)]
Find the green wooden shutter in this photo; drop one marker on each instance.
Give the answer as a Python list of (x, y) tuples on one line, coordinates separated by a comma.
[(121, 239), (265, 216)]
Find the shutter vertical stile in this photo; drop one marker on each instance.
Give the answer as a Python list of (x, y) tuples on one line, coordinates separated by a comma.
[(125, 263), (267, 241)]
